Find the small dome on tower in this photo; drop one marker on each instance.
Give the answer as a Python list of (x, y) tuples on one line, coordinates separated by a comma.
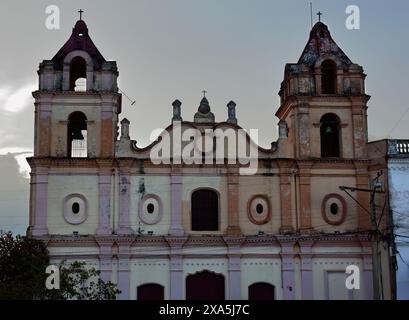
[(203, 114), (204, 106)]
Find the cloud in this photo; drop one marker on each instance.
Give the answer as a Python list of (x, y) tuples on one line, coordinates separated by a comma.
[(14, 195), (4, 92), (17, 116), (4, 151), (14, 100), (20, 155), (24, 167)]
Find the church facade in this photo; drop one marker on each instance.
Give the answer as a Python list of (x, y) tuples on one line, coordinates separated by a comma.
[(175, 220)]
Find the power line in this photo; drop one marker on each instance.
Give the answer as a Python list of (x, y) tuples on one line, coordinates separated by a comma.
[(401, 236), (403, 260), (398, 122)]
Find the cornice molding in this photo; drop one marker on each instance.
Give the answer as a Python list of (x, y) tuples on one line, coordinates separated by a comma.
[(318, 239)]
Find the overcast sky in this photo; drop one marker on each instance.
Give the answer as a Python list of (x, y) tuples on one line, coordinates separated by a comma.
[(168, 49)]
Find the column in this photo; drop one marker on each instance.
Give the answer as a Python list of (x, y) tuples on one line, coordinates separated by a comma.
[(176, 277), (124, 271), (366, 273), (41, 202), (233, 227), (306, 270), (105, 259), (107, 136), (124, 197), (104, 186), (303, 130), (42, 145), (234, 266), (176, 267), (176, 185), (287, 269), (359, 128), (362, 181), (305, 195), (285, 198)]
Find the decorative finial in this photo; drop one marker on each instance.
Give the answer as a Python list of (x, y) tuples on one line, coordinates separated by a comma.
[(80, 12), (204, 93), (176, 111), (231, 113), (319, 14), (125, 128)]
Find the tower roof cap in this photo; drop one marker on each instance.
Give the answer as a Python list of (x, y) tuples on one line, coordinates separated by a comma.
[(79, 40)]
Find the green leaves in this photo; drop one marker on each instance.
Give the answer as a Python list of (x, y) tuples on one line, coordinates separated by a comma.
[(22, 265), (81, 283), (23, 262)]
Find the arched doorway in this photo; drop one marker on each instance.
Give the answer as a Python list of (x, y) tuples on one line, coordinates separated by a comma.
[(150, 291), (261, 291), (205, 285)]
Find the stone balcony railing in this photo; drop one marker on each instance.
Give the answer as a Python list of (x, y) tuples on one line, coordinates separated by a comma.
[(398, 147)]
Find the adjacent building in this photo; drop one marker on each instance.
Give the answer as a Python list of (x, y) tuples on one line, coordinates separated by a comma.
[(393, 154)]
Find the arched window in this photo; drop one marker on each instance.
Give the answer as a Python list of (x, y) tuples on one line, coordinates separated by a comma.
[(261, 291), (150, 291), (78, 74), (330, 135), (77, 135), (205, 210), (328, 77), (205, 285)]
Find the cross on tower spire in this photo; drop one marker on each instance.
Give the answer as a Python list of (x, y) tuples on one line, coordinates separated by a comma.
[(204, 93), (319, 14), (80, 11)]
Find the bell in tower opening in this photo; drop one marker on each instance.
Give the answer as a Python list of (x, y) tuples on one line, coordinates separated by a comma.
[(77, 135)]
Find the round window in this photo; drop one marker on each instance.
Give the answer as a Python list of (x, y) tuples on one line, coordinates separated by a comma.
[(259, 211), (75, 208), (259, 208), (333, 209), (150, 208)]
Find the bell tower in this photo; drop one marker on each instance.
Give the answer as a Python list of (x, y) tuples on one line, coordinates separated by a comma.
[(76, 117), (78, 103), (323, 103)]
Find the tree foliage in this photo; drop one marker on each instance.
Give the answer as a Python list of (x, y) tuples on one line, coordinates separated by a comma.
[(23, 262), (22, 267), (82, 283)]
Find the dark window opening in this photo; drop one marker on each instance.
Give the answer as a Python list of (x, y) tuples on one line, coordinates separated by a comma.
[(205, 285), (75, 207), (330, 135), (205, 210), (328, 77), (77, 135), (78, 74), (259, 208), (151, 291), (150, 208), (261, 291), (333, 208)]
